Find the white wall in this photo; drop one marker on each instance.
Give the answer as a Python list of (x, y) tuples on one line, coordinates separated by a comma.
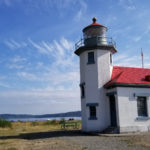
[(104, 75), (95, 76), (127, 105)]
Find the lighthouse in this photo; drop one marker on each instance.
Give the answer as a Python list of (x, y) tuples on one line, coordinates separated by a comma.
[(95, 52)]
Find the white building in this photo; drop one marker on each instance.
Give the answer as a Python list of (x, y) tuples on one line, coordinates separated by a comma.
[(111, 96)]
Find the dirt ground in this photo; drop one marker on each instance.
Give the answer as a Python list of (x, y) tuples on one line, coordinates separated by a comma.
[(74, 140)]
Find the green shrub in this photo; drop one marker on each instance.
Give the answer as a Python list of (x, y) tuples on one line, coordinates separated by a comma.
[(54, 122), (51, 122), (5, 123), (62, 121)]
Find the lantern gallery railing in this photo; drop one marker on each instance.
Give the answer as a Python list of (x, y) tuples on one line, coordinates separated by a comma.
[(95, 41)]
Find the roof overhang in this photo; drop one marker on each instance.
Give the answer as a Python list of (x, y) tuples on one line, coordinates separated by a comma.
[(134, 85)]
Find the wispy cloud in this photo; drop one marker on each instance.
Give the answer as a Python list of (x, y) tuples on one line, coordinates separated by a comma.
[(82, 10), (4, 85), (42, 47), (134, 61), (17, 62), (15, 66), (28, 76), (50, 101), (60, 70), (17, 59), (127, 4), (2, 77), (12, 44), (6, 2)]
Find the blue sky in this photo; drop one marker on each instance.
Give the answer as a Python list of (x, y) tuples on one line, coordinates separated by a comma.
[(39, 72)]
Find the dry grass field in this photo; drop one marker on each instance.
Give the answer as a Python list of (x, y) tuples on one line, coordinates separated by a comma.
[(32, 135), (46, 135)]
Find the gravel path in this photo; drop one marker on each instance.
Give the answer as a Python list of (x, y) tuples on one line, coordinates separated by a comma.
[(103, 143), (75, 140)]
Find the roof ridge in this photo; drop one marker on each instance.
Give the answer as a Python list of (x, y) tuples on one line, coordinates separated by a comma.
[(130, 67)]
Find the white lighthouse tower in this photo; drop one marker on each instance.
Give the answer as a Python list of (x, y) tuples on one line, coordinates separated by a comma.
[(95, 52)]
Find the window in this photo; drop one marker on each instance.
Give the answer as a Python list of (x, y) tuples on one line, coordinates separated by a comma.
[(92, 112), (142, 106), (82, 91), (91, 58), (110, 58), (82, 87)]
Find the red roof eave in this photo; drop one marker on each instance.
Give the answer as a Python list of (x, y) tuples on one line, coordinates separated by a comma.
[(128, 76)]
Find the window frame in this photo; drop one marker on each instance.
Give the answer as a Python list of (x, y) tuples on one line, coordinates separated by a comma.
[(142, 109), (82, 87), (92, 111), (91, 58), (111, 61)]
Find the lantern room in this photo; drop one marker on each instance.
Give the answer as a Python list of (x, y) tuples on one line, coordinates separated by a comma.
[(95, 34)]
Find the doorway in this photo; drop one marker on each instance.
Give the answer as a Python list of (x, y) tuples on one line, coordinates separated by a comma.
[(113, 118)]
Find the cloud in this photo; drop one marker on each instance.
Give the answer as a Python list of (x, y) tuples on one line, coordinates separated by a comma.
[(127, 4), (4, 85), (66, 44), (17, 59), (12, 44), (134, 61), (28, 76), (41, 101), (52, 78), (15, 66), (6, 2), (82, 10), (55, 78), (17, 62), (42, 47), (142, 35), (61, 51), (2, 77)]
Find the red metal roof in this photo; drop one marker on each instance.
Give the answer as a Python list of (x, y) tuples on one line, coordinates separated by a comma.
[(128, 75), (93, 24)]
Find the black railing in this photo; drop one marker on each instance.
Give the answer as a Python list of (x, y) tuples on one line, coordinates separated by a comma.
[(98, 41)]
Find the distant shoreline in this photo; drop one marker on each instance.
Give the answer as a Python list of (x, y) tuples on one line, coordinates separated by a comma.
[(42, 119), (57, 116)]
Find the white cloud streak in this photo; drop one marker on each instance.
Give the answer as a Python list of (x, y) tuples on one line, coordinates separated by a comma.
[(134, 61), (127, 4), (12, 44), (82, 10), (41, 101), (60, 77)]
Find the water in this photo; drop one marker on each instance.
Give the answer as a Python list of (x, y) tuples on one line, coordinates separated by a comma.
[(42, 119)]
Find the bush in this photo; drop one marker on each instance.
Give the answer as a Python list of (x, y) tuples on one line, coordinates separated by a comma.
[(5, 123), (51, 122), (62, 121), (54, 122)]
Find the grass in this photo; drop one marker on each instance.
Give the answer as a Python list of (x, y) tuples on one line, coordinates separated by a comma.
[(10, 129), (31, 127), (11, 148), (4, 123), (18, 128)]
